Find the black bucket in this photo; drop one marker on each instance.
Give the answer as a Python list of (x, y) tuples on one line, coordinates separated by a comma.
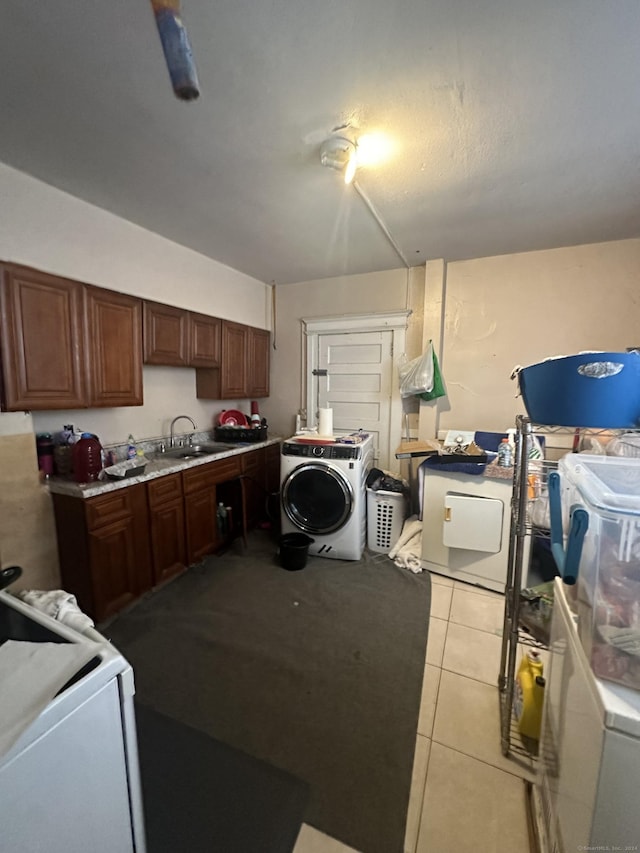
[(294, 549)]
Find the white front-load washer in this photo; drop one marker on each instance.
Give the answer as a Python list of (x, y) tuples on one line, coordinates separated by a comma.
[(323, 494)]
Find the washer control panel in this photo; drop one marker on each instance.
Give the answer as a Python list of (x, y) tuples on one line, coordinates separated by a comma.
[(321, 451)]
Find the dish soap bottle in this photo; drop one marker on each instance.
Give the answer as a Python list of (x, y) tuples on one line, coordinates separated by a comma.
[(528, 695), (131, 447)]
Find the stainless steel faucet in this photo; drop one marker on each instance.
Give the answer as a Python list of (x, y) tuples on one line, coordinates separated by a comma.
[(173, 423)]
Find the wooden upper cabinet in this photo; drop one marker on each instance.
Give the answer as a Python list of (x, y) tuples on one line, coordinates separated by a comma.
[(234, 361), (114, 342), (204, 340), (165, 334), (244, 365), (258, 363), (42, 340), (180, 338)]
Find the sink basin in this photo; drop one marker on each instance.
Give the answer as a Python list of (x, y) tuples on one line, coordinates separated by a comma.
[(195, 450)]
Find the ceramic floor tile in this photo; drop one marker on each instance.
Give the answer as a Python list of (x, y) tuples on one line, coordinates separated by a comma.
[(430, 684), (435, 641), (468, 720), (473, 653), (484, 612), (441, 601), (416, 797), (441, 580), (470, 806), (478, 590), (310, 840)]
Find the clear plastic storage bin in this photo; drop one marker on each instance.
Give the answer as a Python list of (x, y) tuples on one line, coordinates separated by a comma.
[(608, 585), (386, 512)]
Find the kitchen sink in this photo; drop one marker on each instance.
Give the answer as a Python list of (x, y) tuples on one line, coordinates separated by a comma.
[(191, 451)]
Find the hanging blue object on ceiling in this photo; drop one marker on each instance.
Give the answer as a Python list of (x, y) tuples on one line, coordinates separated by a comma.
[(177, 49)]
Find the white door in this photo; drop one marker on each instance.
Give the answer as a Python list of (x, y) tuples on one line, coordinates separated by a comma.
[(355, 373), (472, 523), (351, 364)]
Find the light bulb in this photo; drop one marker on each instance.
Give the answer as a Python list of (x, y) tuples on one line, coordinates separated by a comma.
[(352, 165)]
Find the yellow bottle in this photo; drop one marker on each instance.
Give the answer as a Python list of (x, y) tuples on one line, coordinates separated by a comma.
[(529, 695)]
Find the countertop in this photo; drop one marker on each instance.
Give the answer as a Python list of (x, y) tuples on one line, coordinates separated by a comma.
[(156, 467)]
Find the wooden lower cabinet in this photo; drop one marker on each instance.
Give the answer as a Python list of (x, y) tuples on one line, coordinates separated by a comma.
[(166, 527), (204, 487), (104, 549), (253, 480), (272, 455), (200, 509), (116, 546)]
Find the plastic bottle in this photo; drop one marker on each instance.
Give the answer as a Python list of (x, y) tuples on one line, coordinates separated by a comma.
[(87, 458), (131, 447), (528, 695), (44, 449), (68, 436), (505, 456), (222, 519)]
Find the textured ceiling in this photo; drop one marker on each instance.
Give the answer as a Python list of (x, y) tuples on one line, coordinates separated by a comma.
[(516, 125)]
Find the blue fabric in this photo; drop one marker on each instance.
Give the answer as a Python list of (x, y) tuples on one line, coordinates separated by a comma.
[(489, 440), (474, 468)]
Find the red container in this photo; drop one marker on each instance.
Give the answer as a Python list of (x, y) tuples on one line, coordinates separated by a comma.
[(87, 458)]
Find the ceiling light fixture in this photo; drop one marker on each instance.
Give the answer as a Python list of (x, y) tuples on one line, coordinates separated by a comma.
[(341, 154)]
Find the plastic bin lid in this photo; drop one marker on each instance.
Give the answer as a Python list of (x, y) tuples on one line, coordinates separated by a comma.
[(610, 483)]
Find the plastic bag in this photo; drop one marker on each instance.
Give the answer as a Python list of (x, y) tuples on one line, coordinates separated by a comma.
[(438, 389), (416, 377)]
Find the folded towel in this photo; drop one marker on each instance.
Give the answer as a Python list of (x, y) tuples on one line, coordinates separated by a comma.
[(406, 553)]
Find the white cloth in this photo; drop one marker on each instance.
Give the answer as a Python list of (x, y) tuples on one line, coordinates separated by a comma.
[(60, 605), (407, 551)]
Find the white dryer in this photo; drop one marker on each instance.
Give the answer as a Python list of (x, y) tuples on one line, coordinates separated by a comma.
[(323, 494)]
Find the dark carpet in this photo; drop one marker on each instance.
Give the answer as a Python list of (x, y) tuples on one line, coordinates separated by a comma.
[(203, 796), (317, 672)]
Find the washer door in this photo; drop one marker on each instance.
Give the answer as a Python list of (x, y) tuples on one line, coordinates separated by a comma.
[(317, 498)]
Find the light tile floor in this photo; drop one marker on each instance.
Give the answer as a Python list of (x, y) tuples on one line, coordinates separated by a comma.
[(465, 795)]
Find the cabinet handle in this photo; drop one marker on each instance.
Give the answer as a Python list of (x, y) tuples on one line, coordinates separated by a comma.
[(447, 513)]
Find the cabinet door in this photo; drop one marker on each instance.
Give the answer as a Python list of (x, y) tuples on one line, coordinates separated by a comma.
[(166, 334), (253, 476), (42, 341), (204, 343), (272, 468), (113, 567), (233, 370), (258, 363), (168, 547), (114, 339), (472, 523), (201, 524)]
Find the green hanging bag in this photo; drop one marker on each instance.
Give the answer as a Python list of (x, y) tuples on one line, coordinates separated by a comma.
[(438, 389)]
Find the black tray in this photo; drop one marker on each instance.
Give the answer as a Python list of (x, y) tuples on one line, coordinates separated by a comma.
[(448, 458), (239, 434)]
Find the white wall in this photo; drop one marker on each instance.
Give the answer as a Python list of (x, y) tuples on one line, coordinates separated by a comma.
[(499, 312), (370, 293), (50, 230)]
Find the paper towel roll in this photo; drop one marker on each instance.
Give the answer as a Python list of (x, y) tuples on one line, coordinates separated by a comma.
[(325, 422)]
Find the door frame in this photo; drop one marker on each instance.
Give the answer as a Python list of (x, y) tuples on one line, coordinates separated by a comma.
[(344, 324)]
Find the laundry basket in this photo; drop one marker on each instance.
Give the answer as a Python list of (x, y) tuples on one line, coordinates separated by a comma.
[(386, 512)]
